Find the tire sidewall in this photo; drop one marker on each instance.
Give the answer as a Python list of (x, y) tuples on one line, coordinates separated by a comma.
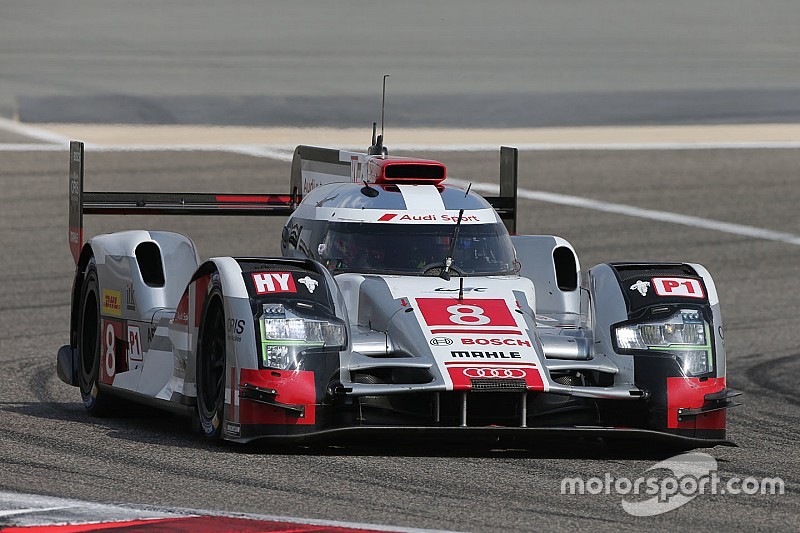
[(88, 374), (211, 417)]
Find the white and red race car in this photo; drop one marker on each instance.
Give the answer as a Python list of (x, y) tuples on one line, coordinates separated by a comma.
[(401, 305)]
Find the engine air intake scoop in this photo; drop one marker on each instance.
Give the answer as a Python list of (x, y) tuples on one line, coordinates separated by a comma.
[(406, 171)]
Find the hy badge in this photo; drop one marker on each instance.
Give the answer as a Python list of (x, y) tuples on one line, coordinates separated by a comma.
[(641, 286), (310, 284)]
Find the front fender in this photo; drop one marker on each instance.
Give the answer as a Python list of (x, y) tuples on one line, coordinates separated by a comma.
[(261, 400)]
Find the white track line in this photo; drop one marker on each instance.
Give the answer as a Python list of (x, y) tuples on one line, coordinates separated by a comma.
[(29, 147), (549, 147), (539, 147), (611, 146), (284, 153), (33, 132), (255, 150), (650, 214), (33, 510)]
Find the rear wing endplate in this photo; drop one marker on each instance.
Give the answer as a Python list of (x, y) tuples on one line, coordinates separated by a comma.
[(148, 203), (313, 167), (506, 202)]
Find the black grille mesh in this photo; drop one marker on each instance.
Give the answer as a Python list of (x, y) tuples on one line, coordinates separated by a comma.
[(494, 384), (570, 381)]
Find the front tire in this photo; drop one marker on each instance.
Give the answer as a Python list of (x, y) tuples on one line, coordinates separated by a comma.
[(96, 402), (211, 365)]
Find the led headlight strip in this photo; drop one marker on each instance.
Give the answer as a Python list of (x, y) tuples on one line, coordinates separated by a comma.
[(285, 334), (685, 335)]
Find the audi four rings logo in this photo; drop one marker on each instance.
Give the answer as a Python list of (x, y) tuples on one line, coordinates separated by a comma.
[(494, 373), (441, 341)]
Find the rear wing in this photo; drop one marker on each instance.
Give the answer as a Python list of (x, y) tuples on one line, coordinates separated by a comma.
[(313, 167), (149, 203)]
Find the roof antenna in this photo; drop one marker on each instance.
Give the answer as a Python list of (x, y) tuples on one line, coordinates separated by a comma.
[(383, 105), (377, 147), (448, 261)]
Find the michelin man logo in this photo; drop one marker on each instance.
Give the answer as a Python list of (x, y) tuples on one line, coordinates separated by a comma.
[(641, 286), (310, 284)]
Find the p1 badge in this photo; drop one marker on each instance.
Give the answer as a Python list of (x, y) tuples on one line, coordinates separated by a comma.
[(681, 287)]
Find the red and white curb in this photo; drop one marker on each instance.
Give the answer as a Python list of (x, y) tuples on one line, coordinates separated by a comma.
[(28, 513)]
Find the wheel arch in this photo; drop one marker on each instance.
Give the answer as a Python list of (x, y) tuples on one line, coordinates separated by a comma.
[(87, 253), (224, 274), (219, 281)]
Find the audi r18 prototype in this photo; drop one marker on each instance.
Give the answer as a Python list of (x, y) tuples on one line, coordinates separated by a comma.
[(401, 304)]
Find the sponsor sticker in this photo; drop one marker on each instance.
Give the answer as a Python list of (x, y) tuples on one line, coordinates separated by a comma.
[(352, 214), (182, 312), (427, 217), (502, 373), (458, 290), (681, 287), (441, 341), (130, 298), (113, 359), (135, 344), (463, 373), (496, 342), (310, 284), (112, 303), (486, 355), (151, 332), (641, 286), (235, 329), (478, 313), (273, 282)]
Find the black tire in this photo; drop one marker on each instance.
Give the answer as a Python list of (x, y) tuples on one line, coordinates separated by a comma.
[(211, 365), (96, 402)]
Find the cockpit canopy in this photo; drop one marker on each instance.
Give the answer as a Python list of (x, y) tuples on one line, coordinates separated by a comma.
[(480, 249), (399, 229)]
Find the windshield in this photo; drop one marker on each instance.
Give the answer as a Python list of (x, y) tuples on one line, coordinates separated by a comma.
[(481, 249)]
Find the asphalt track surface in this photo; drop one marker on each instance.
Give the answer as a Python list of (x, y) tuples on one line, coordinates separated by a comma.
[(48, 445), (457, 63), (453, 63)]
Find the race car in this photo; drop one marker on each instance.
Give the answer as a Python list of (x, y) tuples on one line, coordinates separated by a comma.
[(401, 305)]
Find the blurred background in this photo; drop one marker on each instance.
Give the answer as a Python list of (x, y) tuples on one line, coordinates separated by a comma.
[(453, 63)]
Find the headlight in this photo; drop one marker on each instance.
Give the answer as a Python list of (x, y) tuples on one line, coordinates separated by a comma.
[(284, 335), (684, 335)]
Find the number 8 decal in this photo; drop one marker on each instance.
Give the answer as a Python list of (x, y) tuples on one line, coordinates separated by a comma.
[(467, 315), (109, 355), (471, 312)]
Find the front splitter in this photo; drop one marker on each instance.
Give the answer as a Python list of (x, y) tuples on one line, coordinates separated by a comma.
[(513, 436)]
